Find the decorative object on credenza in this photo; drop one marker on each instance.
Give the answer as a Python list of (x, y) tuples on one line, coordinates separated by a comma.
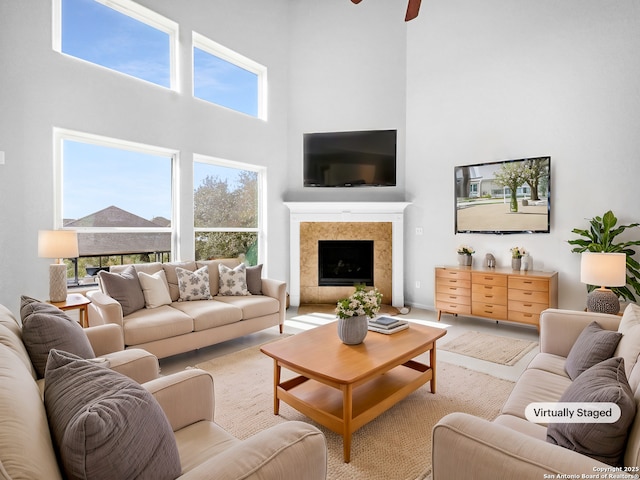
[(489, 260), (599, 237), (58, 244), (607, 270), (516, 257), (527, 262), (354, 313), (413, 8), (465, 257)]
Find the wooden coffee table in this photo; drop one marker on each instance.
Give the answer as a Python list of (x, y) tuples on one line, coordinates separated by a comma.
[(343, 387)]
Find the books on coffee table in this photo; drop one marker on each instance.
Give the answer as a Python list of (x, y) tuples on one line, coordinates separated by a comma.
[(387, 325)]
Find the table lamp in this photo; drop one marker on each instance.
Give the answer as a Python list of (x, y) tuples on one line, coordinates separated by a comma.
[(607, 270), (57, 244)]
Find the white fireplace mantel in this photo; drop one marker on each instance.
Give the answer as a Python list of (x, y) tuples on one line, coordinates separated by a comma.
[(392, 212)]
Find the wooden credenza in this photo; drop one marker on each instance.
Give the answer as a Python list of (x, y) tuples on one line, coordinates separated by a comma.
[(496, 293)]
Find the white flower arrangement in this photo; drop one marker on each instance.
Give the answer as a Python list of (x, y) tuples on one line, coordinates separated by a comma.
[(517, 252), (362, 302), (466, 250)]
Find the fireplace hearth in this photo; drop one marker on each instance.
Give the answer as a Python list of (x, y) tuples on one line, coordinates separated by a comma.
[(345, 263)]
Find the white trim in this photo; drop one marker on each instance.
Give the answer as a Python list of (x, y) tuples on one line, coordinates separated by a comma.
[(348, 212)]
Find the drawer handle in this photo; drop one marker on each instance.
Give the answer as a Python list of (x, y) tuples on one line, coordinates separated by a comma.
[(528, 305), (453, 281), (488, 287), (488, 296), (453, 306), (488, 311), (527, 281), (528, 293), (453, 288), (488, 278), (528, 315), (453, 297)]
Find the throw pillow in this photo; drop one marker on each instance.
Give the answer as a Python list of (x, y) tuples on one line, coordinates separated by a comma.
[(193, 285), (106, 425), (593, 345), (254, 280), (605, 442), (45, 327), (233, 281), (629, 346), (155, 289), (125, 288)]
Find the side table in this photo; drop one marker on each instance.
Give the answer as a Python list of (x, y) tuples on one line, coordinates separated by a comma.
[(76, 301)]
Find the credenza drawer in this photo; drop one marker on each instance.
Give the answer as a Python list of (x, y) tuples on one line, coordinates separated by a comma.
[(526, 307), (524, 317), (491, 310), (489, 294), (525, 283), (489, 279), (453, 298), (529, 296), (453, 307), (452, 274), (448, 283)]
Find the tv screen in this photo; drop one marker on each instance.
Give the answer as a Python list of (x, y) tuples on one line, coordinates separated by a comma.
[(350, 159), (512, 196)]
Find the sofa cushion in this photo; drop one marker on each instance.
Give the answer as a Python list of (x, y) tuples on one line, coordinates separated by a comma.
[(155, 289), (193, 285), (629, 346), (148, 325), (254, 279), (172, 276), (105, 425), (214, 272), (209, 313), (605, 442), (253, 306), (233, 281), (593, 345), (45, 327), (124, 287)]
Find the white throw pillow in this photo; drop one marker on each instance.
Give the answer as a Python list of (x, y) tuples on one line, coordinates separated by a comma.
[(193, 285), (233, 281), (155, 289), (629, 346)]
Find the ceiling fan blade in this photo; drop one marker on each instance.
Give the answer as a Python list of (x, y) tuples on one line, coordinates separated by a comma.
[(412, 9), (356, 1)]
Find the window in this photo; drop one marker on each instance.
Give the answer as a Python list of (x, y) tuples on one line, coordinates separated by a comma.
[(227, 209), (228, 79), (120, 35), (119, 197)]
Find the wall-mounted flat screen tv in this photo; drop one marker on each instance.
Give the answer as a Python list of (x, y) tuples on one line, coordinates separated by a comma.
[(350, 159), (512, 196)]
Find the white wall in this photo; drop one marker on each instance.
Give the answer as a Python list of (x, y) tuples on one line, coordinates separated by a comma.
[(498, 79), (41, 89)]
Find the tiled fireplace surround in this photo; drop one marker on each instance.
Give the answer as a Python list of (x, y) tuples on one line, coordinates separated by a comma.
[(382, 222)]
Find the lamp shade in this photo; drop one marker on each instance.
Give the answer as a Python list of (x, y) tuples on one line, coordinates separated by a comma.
[(57, 243), (603, 269)]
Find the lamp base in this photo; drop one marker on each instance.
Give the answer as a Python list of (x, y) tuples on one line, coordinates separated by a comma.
[(57, 282), (603, 301)]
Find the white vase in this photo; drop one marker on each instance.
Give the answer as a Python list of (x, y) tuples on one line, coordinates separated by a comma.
[(353, 330)]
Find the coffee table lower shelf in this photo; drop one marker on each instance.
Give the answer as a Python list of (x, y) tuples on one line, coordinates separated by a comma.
[(345, 408)]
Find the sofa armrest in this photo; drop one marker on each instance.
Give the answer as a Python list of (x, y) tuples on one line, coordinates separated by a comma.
[(465, 446), (288, 450), (105, 338), (186, 397), (135, 363), (103, 309), (278, 290), (559, 329)]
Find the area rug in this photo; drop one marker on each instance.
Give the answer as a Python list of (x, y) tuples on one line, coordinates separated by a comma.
[(396, 445), (492, 348)]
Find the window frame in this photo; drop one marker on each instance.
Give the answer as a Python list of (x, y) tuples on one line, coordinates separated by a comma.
[(260, 230), (137, 12), (211, 47), (62, 134)]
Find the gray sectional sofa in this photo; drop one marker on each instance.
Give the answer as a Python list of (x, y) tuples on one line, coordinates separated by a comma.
[(177, 323)]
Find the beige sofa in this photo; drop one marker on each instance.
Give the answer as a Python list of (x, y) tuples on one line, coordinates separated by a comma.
[(182, 326), (289, 450), (511, 447)]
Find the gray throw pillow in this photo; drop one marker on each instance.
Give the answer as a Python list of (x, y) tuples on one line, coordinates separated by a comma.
[(125, 288), (45, 327), (605, 442), (105, 425), (593, 345), (254, 279)]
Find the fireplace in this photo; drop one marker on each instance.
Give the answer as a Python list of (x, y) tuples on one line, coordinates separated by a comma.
[(345, 262)]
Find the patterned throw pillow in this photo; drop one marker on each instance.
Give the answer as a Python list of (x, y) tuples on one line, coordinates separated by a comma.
[(193, 285), (233, 281)]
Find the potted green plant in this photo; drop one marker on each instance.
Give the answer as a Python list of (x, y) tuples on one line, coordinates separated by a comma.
[(600, 238), (354, 313)]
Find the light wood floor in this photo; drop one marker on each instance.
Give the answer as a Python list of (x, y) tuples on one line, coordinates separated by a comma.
[(295, 323)]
